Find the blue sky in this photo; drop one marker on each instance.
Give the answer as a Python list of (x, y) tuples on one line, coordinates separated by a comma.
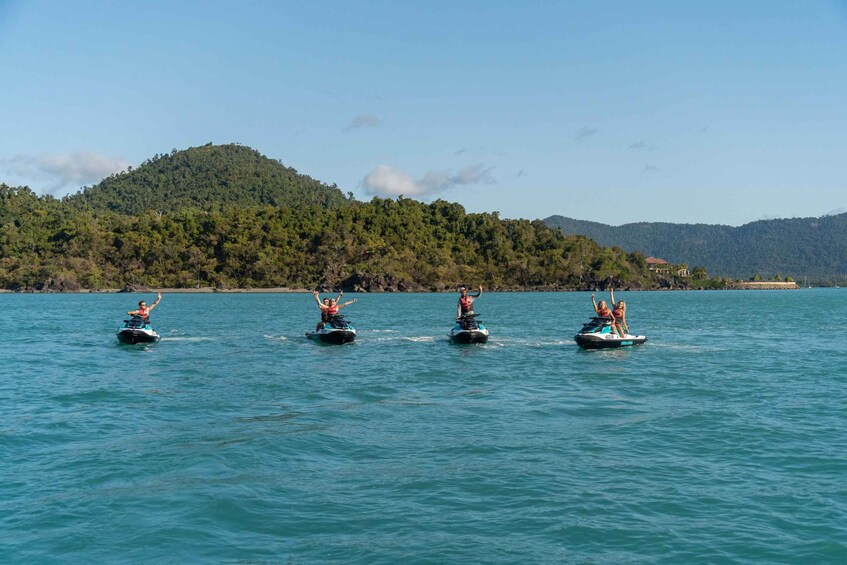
[(710, 112)]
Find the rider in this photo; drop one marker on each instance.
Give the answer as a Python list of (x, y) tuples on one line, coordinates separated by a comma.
[(619, 313), (603, 311), (329, 308), (143, 311), (465, 306)]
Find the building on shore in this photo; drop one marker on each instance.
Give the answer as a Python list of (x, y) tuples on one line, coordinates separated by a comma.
[(662, 267)]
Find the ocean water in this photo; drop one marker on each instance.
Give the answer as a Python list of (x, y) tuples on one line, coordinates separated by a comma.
[(723, 439)]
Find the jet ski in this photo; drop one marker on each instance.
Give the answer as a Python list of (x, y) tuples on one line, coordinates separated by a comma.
[(137, 330), (468, 330), (598, 334), (337, 331)]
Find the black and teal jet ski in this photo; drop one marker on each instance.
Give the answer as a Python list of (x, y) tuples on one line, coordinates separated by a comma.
[(337, 331), (137, 330), (468, 330), (598, 334)]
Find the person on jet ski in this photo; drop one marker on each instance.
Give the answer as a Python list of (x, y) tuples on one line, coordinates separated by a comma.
[(143, 311), (603, 311), (466, 301), (329, 308), (619, 314)]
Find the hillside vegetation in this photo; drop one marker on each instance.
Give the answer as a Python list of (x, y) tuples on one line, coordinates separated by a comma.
[(226, 216), (812, 247), (210, 177)]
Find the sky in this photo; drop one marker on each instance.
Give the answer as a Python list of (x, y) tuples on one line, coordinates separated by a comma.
[(719, 112)]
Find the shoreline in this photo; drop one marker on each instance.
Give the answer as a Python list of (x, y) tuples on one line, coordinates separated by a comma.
[(201, 290), (287, 290)]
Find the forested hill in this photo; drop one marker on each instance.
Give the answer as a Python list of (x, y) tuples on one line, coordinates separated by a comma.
[(403, 244), (813, 247), (207, 177)]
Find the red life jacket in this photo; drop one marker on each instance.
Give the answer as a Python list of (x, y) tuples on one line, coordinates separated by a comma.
[(144, 313), (605, 312), (617, 313), (466, 303), (331, 311)]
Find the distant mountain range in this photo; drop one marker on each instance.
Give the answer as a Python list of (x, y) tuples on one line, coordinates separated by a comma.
[(797, 247)]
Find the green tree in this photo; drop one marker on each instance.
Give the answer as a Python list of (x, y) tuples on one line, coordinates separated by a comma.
[(699, 273)]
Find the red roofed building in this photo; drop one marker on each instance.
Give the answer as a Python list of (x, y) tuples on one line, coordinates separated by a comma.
[(663, 267), (657, 265)]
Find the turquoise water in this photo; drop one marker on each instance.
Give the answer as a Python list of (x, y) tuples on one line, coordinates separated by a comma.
[(235, 439)]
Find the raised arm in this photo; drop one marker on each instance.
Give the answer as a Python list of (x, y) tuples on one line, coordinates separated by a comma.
[(478, 294), (156, 303), (318, 300), (594, 302), (612, 296), (348, 303)]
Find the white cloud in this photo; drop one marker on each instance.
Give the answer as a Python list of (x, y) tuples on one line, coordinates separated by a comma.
[(363, 121), (59, 170), (388, 181)]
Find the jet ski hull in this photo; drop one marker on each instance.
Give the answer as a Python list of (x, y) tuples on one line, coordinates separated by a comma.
[(132, 336), (333, 336), (137, 330), (467, 337), (598, 334), (468, 330), (607, 341)]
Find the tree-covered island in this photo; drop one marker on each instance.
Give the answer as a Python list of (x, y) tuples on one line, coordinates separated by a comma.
[(227, 217)]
